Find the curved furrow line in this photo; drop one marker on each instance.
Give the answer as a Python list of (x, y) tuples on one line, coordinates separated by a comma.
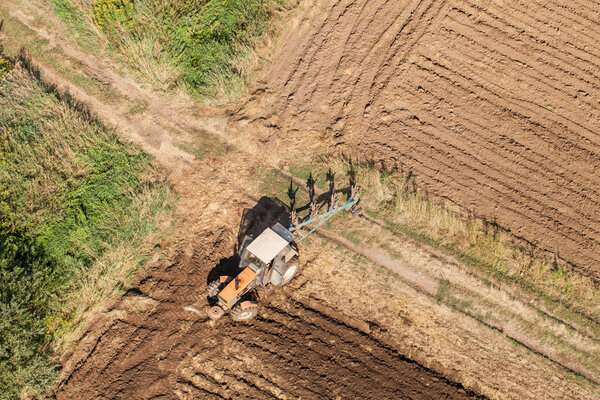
[(429, 142), (114, 353), (391, 61), (409, 21), (321, 345), (521, 27), (493, 191), (474, 52), (519, 107), (471, 42), (494, 146), (464, 145), (301, 62), (577, 8), (263, 382), (311, 50), (197, 391), (322, 369), (284, 366), (238, 378), (534, 68), (353, 339), (589, 177), (575, 11), (310, 81), (365, 34), (352, 32), (204, 381), (542, 48), (470, 33), (495, 177), (541, 25), (550, 58), (521, 151), (439, 179), (337, 356)]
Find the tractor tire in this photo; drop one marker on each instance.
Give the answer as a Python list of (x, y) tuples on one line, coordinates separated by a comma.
[(238, 313), (290, 270), (213, 288), (215, 312)]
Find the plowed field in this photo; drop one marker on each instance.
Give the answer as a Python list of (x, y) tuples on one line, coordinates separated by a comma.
[(150, 347), (492, 105), (348, 327)]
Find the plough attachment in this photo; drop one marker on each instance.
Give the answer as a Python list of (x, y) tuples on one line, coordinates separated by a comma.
[(271, 259)]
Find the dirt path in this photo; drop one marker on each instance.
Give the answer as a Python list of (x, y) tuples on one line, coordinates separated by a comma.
[(148, 345)]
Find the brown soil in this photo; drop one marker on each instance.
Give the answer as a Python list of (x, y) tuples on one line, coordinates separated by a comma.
[(293, 350), (312, 340), (491, 105)]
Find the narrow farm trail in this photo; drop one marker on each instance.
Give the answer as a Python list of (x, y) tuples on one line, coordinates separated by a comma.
[(148, 345)]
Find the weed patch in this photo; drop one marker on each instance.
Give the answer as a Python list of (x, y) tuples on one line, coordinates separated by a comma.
[(203, 46), (70, 195)]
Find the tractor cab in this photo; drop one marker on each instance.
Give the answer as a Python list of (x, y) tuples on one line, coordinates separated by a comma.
[(270, 259), (269, 254)]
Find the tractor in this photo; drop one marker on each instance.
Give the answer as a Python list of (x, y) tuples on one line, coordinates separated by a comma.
[(271, 258)]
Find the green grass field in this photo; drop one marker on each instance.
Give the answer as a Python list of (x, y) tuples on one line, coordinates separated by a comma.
[(77, 206), (201, 46)]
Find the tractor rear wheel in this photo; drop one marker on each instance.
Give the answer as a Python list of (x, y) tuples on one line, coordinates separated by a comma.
[(290, 270), (240, 313)]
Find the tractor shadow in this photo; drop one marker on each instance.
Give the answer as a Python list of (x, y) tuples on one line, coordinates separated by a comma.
[(266, 213)]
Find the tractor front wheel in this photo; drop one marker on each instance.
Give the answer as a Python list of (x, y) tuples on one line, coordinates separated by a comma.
[(244, 312), (215, 313)]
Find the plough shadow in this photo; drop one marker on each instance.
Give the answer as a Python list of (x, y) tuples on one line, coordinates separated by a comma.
[(266, 213)]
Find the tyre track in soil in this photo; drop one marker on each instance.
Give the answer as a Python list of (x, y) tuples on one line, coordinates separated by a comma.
[(493, 106)]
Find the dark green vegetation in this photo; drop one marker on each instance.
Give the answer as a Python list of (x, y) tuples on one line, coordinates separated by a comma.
[(201, 45), (70, 193)]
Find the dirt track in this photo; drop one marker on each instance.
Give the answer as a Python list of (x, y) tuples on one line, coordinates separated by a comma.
[(491, 105)]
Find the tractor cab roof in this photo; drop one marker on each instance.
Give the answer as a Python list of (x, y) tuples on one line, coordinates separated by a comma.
[(270, 243)]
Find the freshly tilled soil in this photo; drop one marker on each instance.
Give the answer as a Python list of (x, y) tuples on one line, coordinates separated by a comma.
[(151, 344), (490, 105), (294, 349)]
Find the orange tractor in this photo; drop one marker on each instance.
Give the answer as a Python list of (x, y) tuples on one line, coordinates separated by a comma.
[(269, 260)]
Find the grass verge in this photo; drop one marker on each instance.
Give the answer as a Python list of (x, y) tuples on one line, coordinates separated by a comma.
[(202, 46), (78, 210)]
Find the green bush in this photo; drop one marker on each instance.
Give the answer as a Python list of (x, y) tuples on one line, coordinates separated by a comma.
[(108, 13), (202, 45), (210, 40)]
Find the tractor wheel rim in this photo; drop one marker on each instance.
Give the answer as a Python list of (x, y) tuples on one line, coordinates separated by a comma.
[(215, 313), (245, 314), (289, 274)]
